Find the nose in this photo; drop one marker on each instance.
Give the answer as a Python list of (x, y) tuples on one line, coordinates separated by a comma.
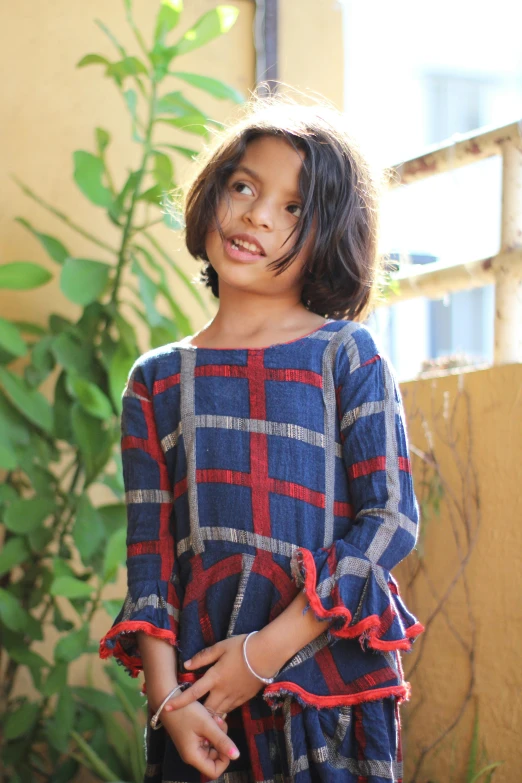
[(259, 214)]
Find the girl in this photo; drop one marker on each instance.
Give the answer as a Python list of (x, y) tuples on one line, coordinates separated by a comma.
[(267, 474)]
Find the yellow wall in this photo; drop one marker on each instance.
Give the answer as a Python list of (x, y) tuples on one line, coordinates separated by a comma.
[(311, 47), (493, 435)]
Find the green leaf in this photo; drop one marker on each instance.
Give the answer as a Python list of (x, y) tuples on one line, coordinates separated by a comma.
[(29, 402), (119, 204), (72, 354), (83, 281), (185, 151), (176, 103), (94, 442), (62, 721), (34, 662), (148, 293), (88, 531), (489, 768), (214, 87), (88, 173), (153, 195), (189, 123), (131, 99), (114, 516), (23, 515), (23, 275), (167, 19), (51, 245), (129, 66), (103, 139), (11, 338), (90, 397), (13, 552), (41, 354), (70, 587), (112, 607), (99, 700), (93, 59), (70, 647), (56, 680), (94, 761), (21, 721), (12, 615), (120, 365), (8, 458), (115, 555), (209, 26), (163, 170)]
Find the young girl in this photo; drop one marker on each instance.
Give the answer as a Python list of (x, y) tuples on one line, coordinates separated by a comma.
[(267, 474)]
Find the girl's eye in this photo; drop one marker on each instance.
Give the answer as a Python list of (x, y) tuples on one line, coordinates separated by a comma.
[(243, 188), (295, 209)]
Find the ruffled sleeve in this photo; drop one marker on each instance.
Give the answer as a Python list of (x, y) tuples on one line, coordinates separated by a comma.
[(349, 582), (152, 603)]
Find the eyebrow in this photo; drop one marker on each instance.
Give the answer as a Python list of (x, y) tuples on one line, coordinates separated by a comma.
[(256, 176)]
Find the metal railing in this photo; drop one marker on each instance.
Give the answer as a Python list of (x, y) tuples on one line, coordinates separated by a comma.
[(504, 269)]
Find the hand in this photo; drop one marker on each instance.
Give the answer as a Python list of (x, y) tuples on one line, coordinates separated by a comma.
[(199, 739), (228, 682)]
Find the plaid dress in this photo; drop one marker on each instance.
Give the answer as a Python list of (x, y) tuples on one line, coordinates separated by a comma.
[(251, 474)]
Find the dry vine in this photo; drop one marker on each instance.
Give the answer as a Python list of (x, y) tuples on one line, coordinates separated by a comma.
[(455, 483)]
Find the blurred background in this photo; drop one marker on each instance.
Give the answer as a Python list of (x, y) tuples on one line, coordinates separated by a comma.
[(106, 105)]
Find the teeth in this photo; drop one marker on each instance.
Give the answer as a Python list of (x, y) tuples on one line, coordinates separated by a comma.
[(247, 245)]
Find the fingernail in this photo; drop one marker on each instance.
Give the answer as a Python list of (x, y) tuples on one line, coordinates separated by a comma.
[(187, 663), (233, 753), (168, 708), (206, 743)]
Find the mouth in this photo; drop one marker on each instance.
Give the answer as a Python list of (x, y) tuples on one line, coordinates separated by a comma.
[(244, 247)]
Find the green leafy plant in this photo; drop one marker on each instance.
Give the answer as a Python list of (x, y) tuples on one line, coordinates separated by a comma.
[(60, 548)]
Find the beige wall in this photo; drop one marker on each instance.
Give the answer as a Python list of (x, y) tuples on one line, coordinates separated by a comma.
[(311, 47), (494, 575)]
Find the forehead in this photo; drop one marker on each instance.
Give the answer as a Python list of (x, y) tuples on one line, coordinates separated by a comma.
[(272, 157)]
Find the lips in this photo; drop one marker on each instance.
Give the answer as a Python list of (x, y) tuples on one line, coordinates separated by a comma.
[(244, 247)]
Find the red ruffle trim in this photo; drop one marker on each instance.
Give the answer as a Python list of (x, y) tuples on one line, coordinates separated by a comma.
[(272, 693), (372, 627), (132, 663)]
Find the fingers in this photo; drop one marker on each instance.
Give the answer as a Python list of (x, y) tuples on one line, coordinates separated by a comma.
[(204, 657), (195, 692), (221, 742)]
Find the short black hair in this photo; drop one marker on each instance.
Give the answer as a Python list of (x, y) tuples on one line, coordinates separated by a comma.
[(339, 195)]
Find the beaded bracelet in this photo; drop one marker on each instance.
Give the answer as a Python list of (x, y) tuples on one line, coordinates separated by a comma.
[(154, 721), (266, 680)]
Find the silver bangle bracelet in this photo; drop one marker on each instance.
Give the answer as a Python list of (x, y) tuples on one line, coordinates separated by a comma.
[(266, 680), (154, 721)]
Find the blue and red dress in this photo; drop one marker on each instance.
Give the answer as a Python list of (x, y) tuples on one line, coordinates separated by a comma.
[(251, 474)]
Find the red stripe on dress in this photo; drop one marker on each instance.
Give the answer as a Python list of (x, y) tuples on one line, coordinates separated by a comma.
[(220, 371), (165, 509), (405, 464), (180, 487), (297, 376), (366, 467), (328, 667), (297, 491), (218, 476), (374, 359), (342, 509), (259, 480), (166, 383), (143, 548)]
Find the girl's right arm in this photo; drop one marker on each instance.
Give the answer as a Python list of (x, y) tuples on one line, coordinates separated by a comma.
[(191, 726)]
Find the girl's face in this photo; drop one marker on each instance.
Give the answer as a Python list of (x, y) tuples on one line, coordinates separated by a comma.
[(257, 216)]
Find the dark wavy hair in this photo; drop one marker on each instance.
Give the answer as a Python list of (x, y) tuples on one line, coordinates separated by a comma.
[(339, 197)]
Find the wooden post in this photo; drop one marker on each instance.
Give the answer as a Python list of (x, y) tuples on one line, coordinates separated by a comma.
[(508, 277)]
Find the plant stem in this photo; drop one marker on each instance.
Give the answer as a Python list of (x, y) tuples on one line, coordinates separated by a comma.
[(63, 217), (127, 231)]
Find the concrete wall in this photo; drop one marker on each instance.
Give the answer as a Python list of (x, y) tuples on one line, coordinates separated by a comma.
[(488, 442)]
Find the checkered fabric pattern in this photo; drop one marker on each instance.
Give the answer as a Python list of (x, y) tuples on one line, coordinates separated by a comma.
[(252, 473)]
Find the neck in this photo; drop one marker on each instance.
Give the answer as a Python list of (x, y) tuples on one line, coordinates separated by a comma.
[(244, 317)]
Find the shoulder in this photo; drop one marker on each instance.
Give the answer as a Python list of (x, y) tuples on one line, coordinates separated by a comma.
[(355, 344), (157, 363)]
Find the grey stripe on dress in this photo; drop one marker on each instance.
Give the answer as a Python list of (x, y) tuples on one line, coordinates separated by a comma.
[(188, 419)]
